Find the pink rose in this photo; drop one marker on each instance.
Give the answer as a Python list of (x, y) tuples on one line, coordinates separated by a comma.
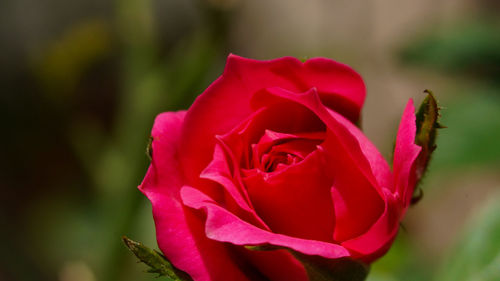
[(269, 155)]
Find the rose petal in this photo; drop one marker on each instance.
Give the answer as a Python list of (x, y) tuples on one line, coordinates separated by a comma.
[(405, 155), (379, 166), (237, 200), (296, 201), (299, 147), (375, 242), (353, 168), (272, 264), (310, 100), (272, 138), (339, 86), (224, 226), (357, 203), (248, 140), (225, 103), (278, 265), (176, 233)]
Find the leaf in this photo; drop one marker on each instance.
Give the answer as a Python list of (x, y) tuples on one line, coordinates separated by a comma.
[(427, 124), (323, 269), (155, 260)]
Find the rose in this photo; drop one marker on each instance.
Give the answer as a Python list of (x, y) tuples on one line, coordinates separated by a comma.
[(269, 155)]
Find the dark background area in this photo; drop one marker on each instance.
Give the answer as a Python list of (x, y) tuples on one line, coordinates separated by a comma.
[(81, 83)]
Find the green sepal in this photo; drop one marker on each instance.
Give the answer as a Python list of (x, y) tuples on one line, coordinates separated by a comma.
[(358, 122), (323, 269), (304, 59), (155, 260), (427, 123)]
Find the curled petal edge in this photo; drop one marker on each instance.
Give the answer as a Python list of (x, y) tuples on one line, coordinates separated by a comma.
[(223, 226)]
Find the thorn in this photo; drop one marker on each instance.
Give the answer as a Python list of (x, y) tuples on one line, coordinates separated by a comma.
[(440, 126)]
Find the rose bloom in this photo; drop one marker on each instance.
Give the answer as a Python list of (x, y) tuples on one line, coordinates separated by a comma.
[(269, 154)]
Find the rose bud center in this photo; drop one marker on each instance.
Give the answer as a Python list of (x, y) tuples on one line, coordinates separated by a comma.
[(281, 153)]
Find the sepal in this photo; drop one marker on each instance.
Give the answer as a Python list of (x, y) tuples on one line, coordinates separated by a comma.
[(427, 121), (155, 260), (322, 269)]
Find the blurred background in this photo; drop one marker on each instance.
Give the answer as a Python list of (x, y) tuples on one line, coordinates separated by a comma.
[(81, 83)]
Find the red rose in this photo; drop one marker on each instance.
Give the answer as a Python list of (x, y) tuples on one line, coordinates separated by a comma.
[(269, 155)]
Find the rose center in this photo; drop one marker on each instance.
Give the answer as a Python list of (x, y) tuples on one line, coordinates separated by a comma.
[(280, 153), (278, 160)]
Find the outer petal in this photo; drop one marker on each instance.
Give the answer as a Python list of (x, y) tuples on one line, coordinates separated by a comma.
[(176, 226), (223, 226), (225, 102), (378, 164), (405, 154), (357, 202), (340, 88), (375, 242)]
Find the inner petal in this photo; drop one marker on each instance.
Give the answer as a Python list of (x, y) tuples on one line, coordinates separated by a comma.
[(268, 124), (357, 203), (278, 149), (295, 202)]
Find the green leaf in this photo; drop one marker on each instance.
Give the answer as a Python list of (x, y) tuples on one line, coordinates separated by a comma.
[(155, 260), (323, 269), (427, 124)]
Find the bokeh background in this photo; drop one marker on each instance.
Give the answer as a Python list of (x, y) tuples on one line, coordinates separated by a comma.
[(81, 82)]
